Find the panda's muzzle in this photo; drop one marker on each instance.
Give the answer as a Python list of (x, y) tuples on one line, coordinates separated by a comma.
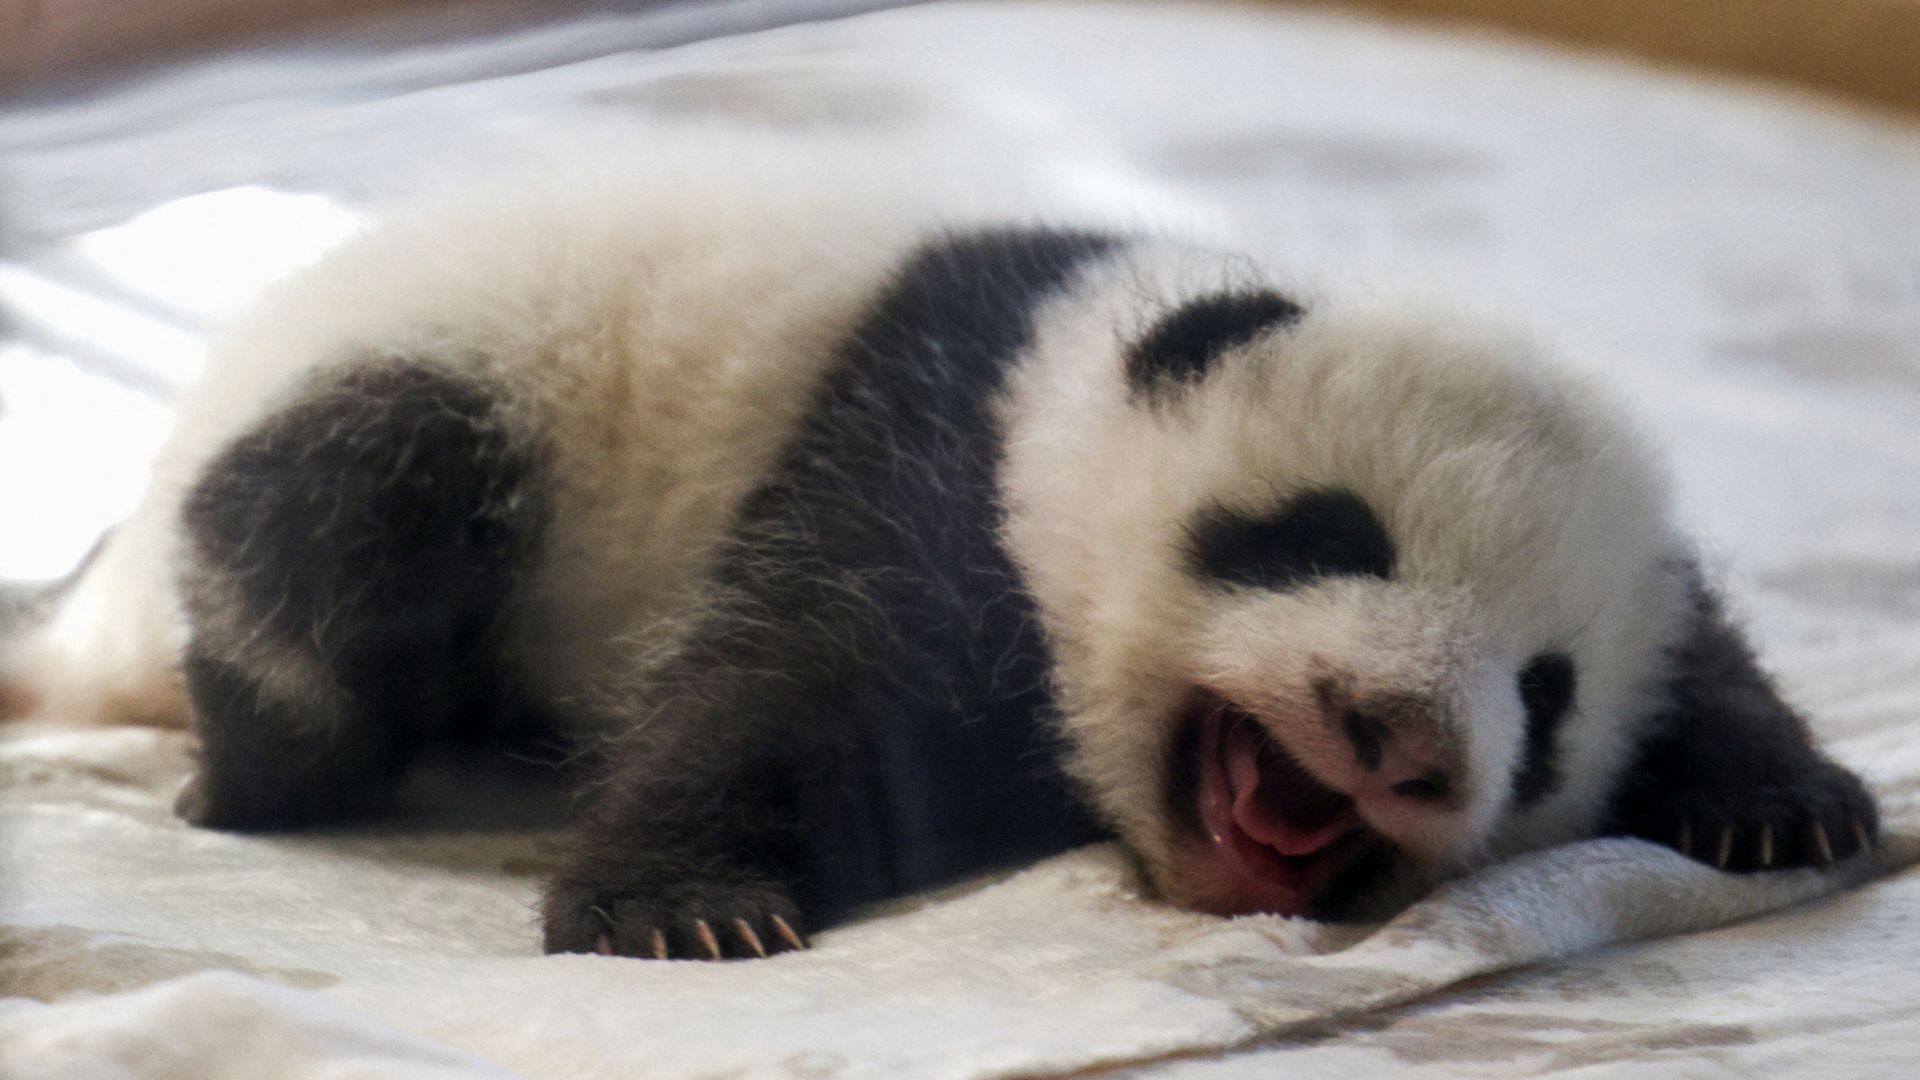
[(1274, 837)]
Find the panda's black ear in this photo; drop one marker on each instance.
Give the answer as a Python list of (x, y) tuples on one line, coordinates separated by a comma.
[(1182, 347), (1727, 773)]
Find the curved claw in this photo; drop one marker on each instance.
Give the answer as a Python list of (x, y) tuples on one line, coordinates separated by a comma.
[(1860, 834), (1685, 844), (657, 944), (1820, 841), (603, 945), (1726, 848), (742, 928), (707, 941), (1766, 845), (786, 932)]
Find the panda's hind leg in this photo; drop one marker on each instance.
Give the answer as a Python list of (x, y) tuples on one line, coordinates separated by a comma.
[(349, 562)]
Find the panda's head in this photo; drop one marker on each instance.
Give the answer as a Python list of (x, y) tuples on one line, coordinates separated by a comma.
[(1343, 599)]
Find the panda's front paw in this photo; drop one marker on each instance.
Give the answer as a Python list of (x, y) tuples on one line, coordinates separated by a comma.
[(738, 918), (1819, 816)]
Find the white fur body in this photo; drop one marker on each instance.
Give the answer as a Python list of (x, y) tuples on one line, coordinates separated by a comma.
[(664, 322), (661, 330)]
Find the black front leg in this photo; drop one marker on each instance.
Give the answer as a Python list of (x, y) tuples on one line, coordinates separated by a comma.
[(696, 857), (866, 709), (697, 842), (1729, 774)]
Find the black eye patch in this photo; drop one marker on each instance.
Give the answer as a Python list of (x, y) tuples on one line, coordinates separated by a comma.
[(1182, 347), (1320, 533), (1546, 690)]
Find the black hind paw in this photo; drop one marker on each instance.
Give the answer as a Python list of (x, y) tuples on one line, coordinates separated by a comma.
[(200, 803), (1821, 816), (218, 800), (738, 920)]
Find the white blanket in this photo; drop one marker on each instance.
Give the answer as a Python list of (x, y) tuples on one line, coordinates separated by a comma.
[(1739, 262)]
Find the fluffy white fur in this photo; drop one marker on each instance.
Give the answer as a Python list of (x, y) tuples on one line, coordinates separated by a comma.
[(667, 310), (1526, 515), (668, 319)]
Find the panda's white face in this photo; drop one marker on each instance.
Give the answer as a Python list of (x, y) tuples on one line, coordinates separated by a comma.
[(1340, 607)]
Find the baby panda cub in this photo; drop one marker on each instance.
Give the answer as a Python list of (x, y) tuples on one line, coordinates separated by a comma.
[(860, 554)]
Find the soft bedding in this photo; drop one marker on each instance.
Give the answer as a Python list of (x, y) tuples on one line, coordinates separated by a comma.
[(1736, 261)]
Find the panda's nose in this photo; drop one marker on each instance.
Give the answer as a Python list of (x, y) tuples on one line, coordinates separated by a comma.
[(1398, 753)]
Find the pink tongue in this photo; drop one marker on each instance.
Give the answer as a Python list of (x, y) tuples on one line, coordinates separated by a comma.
[(1275, 801)]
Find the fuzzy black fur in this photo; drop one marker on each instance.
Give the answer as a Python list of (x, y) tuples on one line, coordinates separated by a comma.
[(1729, 774), (1316, 533), (348, 560), (1183, 346), (863, 709), (866, 711), (1547, 687)]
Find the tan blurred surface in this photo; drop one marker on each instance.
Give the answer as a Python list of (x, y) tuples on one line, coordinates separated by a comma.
[(1868, 49), (39, 38), (42, 39)]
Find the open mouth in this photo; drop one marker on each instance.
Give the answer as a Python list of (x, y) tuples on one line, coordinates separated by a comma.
[(1277, 838)]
